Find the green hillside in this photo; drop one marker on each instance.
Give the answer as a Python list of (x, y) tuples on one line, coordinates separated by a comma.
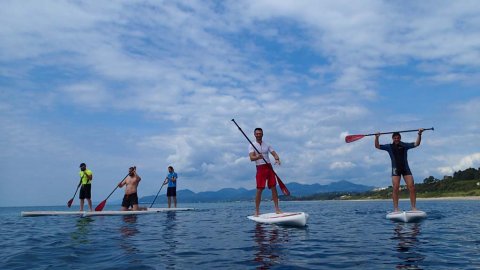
[(460, 184)]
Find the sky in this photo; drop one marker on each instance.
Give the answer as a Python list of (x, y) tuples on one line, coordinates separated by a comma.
[(157, 83)]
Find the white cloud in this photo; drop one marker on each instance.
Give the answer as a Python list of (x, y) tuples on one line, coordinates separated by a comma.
[(470, 161), (161, 81), (88, 95), (341, 165)]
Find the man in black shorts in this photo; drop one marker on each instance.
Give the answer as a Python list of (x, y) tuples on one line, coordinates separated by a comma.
[(86, 177), (131, 182), (398, 155)]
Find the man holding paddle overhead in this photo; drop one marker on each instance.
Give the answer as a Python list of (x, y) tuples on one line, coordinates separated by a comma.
[(265, 173), (398, 155), (131, 182), (86, 177)]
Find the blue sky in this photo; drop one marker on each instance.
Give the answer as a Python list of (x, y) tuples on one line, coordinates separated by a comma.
[(156, 83)]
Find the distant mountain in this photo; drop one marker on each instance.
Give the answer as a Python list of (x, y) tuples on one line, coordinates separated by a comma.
[(241, 194), (299, 190)]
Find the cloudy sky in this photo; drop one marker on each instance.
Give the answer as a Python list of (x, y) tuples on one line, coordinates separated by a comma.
[(156, 83)]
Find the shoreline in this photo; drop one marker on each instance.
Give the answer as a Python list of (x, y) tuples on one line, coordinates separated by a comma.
[(465, 198)]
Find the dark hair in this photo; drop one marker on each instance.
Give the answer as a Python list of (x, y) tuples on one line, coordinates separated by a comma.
[(170, 167), (83, 165), (260, 129), (396, 134)]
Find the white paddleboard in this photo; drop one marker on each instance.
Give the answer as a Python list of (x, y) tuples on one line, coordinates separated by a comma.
[(131, 212), (287, 219), (99, 213), (50, 213), (407, 216)]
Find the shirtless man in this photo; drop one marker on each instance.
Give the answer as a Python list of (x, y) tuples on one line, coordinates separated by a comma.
[(131, 182)]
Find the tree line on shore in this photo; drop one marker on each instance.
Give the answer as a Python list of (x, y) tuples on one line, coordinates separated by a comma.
[(462, 183)]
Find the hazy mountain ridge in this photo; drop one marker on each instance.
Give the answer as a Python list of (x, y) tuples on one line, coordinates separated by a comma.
[(242, 194)]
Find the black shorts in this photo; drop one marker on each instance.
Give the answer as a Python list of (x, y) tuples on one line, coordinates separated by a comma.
[(400, 172), (129, 200), (85, 192), (172, 192)]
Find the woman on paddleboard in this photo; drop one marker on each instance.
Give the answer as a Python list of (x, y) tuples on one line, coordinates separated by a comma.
[(265, 174), (398, 155)]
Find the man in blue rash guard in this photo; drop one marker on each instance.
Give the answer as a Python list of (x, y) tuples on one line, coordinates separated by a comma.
[(398, 155)]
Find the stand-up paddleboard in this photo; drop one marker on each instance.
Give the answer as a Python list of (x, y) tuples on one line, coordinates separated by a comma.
[(131, 212), (51, 213), (407, 216), (100, 213), (287, 219)]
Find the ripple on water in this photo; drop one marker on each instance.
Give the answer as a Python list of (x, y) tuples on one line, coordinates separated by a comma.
[(347, 235)]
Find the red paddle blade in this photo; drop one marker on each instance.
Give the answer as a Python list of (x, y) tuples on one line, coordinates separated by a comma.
[(70, 203), (101, 206), (352, 138), (284, 188)]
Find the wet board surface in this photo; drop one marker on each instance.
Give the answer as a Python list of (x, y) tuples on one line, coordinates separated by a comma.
[(407, 216), (100, 213), (287, 219), (139, 212)]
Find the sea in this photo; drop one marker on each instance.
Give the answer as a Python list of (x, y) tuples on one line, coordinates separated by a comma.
[(339, 235)]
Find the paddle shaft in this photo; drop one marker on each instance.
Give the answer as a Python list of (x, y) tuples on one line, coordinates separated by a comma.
[(69, 203), (282, 186), (117, 186), (157, 194), (402, 131), (78, 186), (102, 204)]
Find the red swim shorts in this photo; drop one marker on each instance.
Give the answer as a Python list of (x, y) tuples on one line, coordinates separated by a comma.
[(265, 174)]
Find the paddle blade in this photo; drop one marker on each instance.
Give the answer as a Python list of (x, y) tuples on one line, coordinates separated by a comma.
[(352, 138), (284, 188), (70, 202), (101, 206)]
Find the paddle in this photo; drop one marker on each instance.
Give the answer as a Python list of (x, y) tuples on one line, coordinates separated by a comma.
[(352, 138), (280, 183), (69, 203), (157, 195), (102, 204)]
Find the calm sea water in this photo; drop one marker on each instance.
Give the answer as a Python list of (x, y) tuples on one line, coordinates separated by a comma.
[(340, 234)]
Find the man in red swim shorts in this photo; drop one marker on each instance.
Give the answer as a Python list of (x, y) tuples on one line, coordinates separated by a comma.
[(265, 174)]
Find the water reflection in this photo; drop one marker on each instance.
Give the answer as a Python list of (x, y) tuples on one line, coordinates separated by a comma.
[(82, 230), (129, 227), (170, 239), (408, 245), (269, 241), (128, 230)]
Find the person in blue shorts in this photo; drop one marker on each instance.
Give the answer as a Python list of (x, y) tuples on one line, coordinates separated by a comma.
[(398, 155), (171, 179)]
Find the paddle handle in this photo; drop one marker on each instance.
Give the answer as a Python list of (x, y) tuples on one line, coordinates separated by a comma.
[(401, 131)]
